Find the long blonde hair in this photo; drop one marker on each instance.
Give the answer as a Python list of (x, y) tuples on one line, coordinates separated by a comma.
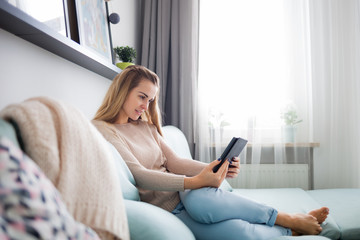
[(120, 88)]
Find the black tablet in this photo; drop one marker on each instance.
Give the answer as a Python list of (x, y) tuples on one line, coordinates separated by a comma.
[(233, 149)]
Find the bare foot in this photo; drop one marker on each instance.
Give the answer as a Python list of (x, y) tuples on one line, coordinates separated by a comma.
[(295, 233), (299, 223), (305, 224), (320, 214)]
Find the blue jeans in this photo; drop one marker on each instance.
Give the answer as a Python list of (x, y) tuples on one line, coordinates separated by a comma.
[(212, 213)]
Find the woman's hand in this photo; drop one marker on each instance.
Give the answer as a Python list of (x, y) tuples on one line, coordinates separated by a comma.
[(234, 168), (207, 178)]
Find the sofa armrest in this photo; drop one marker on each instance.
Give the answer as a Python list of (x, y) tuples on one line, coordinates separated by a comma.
[(150, 222)]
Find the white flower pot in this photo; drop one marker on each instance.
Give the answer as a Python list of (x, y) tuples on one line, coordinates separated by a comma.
[(288, 134)]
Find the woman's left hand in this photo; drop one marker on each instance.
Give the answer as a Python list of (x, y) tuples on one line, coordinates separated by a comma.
[(234, 168)]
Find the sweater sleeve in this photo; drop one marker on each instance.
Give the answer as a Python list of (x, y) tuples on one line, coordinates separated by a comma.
[(175, 164), (145, 178)]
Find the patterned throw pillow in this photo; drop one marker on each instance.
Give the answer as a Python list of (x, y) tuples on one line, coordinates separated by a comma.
[(30, 205)]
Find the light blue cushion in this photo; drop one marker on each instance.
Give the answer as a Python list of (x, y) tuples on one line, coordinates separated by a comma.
[(344, 205), (301, 238), (176, 140), (145, 220), (152, 223), (225, 185), (127, 181), (291, 200), (8, 131)]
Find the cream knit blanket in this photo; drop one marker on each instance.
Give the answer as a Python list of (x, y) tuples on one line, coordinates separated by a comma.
[(74, 156)]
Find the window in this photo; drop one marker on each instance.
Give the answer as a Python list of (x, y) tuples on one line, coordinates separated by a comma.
[(53, 17), (248, 73), (253, 64)]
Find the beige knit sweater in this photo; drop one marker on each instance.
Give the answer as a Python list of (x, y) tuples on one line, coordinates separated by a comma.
[(74, 156), (159, 173)]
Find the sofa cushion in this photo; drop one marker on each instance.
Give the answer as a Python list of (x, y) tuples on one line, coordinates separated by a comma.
[(344, 206), (176, 140), (225, 185), (153, 223), (291, 200), (31, 207), (8, 131), (301, 238), (127, 180)]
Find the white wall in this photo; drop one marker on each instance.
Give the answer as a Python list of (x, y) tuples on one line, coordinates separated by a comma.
[(128, 31), (28, 71)]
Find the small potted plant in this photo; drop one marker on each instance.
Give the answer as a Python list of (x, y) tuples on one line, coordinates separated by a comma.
[(291, 119), (125, 54), (217, 121)]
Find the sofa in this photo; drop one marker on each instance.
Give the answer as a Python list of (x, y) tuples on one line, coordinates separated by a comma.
[(344, 204), (146, 221)]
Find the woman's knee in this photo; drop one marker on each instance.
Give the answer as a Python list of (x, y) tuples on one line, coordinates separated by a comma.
[(197, 197), (199, 203)]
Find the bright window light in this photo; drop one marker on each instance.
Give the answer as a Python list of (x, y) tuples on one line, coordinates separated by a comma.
[(243, 61)]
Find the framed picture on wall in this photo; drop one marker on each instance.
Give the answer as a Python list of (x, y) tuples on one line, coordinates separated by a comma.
[(93, 27)]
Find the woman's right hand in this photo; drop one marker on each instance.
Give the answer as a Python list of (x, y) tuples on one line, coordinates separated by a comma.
[(207, 178)]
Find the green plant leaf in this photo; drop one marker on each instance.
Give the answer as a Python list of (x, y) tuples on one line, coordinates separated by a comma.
[(125, 53)]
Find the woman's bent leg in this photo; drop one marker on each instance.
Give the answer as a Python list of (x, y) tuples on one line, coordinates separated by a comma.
[(231, 229), (212, 205)]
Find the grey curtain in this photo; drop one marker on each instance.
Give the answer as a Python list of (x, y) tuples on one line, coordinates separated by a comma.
[(170, 48)]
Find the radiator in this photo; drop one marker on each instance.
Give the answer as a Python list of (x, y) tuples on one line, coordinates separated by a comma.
[(272, 176)]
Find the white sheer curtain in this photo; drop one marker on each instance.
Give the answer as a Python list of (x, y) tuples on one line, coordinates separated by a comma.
[(336, 80), (258, 56), (254, 61)]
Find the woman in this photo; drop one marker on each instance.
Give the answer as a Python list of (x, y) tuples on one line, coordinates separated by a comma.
[(129, 118)]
